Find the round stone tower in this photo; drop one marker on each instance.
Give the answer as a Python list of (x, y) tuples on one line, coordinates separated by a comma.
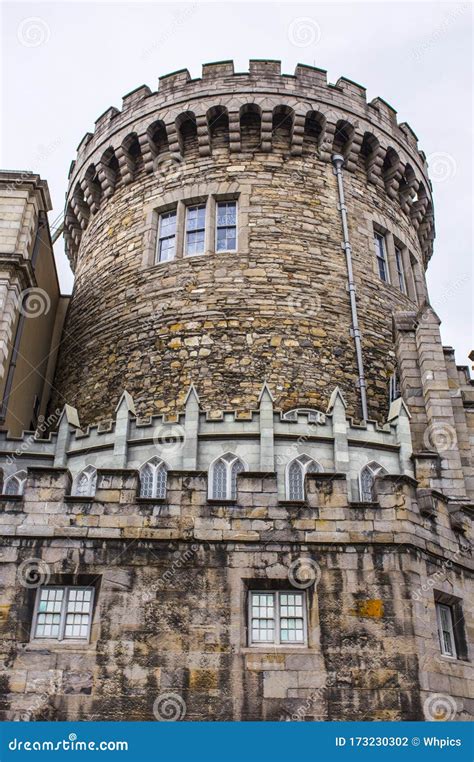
[(238, 228)]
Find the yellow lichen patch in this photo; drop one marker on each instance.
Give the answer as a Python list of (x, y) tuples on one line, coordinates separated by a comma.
[(372, 608)]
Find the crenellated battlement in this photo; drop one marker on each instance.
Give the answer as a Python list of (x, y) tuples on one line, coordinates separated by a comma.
[(319, 117)]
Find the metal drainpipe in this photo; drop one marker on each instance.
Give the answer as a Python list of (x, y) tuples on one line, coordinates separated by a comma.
[(338, 161)]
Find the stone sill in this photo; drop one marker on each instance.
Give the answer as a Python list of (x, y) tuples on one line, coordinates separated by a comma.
[(11, 498), (212, 501), (151, 500), (360, 504), (88, 499), (266, 651), (81, 646), (293, 503)]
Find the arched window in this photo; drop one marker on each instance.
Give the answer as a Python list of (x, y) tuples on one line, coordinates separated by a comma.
[(223, 477), (153, 476), (367, 481), (85, 483), (15, 484), (295, 473)]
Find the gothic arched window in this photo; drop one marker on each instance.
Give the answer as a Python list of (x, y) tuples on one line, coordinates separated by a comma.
[(85, 483), (295, 473), (223, 477), (153, 476), (15, 484), (367, 481)]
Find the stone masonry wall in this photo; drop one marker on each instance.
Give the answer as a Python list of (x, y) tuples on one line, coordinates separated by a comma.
[(171, 582), (226, 322)]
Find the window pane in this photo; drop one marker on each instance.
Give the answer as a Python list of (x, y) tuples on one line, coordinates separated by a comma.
[(219, 481), (226, 221), (237, 467), (196, 218), (146, 481), (167, 224), (78, 613), (49, 613), (295, 481)]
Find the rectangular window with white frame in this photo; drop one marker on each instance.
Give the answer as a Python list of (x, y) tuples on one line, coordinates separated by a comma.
[(400, 270), (195, 229), (444, 614), (63, 613), (277, 617), (166, 249), (381, 255), (226, 226)]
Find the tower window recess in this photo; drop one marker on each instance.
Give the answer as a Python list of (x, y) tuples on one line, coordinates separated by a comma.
[(444, 614), (153, 477), (367, 481), (226, 226), (15, 484), (63, 613), (195, 229), (223, 477), (84, 485), (400, 270), (295, 474), (277, 617), (394, 387), (167, 237), (381, 254)]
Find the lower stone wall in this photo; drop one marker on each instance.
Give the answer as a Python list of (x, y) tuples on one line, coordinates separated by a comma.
[(169, 634), (172, 580)]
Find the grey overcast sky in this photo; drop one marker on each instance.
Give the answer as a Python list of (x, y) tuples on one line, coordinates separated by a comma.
[(64, 63)]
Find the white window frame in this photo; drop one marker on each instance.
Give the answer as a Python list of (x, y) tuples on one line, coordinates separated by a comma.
[(160, 238), (226, 201), (155, 464), (92, 475), (229, 465), (305, 467), (400, 269), (383, 238), (63, 613), (450, 630), (200, 205), (20, 478), (277, 629), (376, 470)]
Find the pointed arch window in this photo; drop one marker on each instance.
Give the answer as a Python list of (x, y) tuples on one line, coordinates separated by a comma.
[(367, 481), (223, 481), (153, 478), (15, 484), (84, 485), (295, 473)]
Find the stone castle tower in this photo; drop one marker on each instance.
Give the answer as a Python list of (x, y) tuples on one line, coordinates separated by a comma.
[(254, 500)]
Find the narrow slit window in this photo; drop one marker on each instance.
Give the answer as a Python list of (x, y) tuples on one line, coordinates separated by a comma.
[(167, 237), (400, 270), (195, 229), (381, 254), (446, 630), (226, 226)]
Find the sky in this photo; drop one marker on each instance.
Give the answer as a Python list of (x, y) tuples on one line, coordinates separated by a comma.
[(64, 63)]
